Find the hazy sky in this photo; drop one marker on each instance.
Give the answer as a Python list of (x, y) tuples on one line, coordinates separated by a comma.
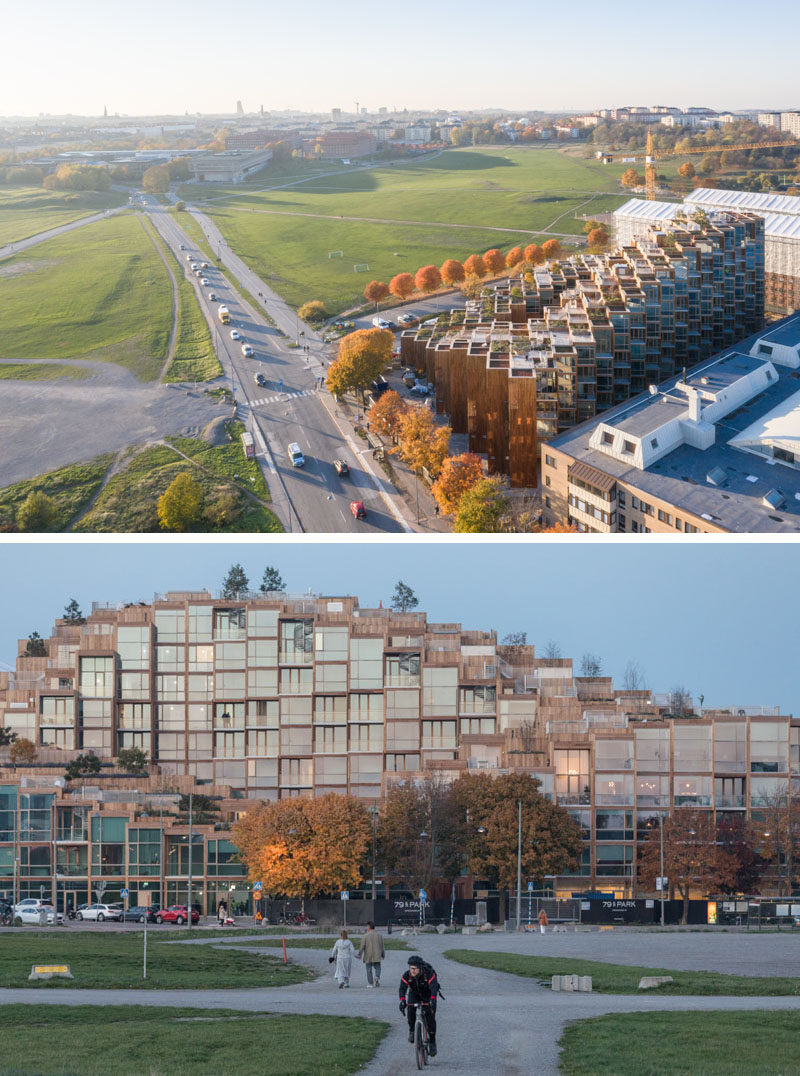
[(720, 619), (202, 56)]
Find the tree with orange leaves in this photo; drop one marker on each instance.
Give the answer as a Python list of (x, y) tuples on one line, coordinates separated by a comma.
[(376, 291), (514, 257), (533, 254), (362, 356), (597, 238), (428, 279), (494, 260), (423, 443), (458, 474), (386, 415), (452, 272), (475, 266), (402, 285), (302, 846), (551, 249)]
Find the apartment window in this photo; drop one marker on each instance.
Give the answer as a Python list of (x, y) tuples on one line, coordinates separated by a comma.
[(439, 734), (691, 748), (201, 658), (200, 624), (478, 726), (297, 772), (664, 517), (264, 742), (296, 710), (264, 713), (620, 497), (769, 747), (729, 792), (439, 691), (332, 644), (229, 656), (133, 647), (614, 825), (614, 859), (330, 739), (366, 737), (229, 715), (330, 710), (614, 789), (144, 852), (678, 523), (330, 771), (170, 625), (652, 791), (402, 705), (222, 859), (331, 677), (199, 717), (547, 480), (57, 709), (402, 735), (263, 622), (572, 776), (613, 754), (402, 763), (231, 685), (134, 715), (692, 791), (229, 745), (366, 663), (551, 461), (201, 744), (297, 642), (368, 707), (621, 520), (262, 682), (200, 687), (402, 670), (547, 503), (634, 502), (297, 681), (652, 750), (170, 688), (628, 447), (478, 700), (60, 738), (97, 677), (730, 747), (229, 623), (608, 438)]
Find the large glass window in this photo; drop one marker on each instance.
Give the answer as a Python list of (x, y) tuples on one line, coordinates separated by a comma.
[(231, 685), (330, 710), (613, 754), (201, 658), (263, 713), (134, 685), (730, 747), (229, 715), (222, 861), (439, 691), (439, 734), (108, 846), (178, 854), (230, 655), (35, 862), (330, 739), (769, 746), (614, 789), (652, 791), (614, 859), (35, 817), (170, 625), (330, 677), (57, 709), (366, 708), (263, 622), (332, 644), (262, 652), (572, 776), (478, 700), (170, 688), (367, 737), (296, 711), (262, 682), (402, 705), (614, 825), (200, 687), (200, 623), (297, 642), (264, 742), (133, 647), (767, 792), (170, 658), (652, 750), (297, 772), (729, 792), (366, 663), (297, 681), (229, 745), (97, 678), (692, 791), (8, 812), (144, 851), (402, 670), (229, 624), (691, 748)]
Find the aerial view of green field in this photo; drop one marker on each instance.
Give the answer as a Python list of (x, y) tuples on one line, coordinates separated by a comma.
[(25, 211), (395, 218)]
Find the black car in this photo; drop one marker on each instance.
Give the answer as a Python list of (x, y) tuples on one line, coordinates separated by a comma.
[(378, 387), (137, 915), (260, 379), (342, 468)]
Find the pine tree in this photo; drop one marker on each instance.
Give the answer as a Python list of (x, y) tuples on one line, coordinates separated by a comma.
[(272, 581), (36, 647), (235, 582), (404, 598), (72, 613)]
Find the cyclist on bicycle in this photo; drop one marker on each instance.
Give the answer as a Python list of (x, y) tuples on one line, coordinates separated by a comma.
[(419, 986)]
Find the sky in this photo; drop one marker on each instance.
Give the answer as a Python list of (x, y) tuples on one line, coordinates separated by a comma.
[(718, 619), (147, 56)]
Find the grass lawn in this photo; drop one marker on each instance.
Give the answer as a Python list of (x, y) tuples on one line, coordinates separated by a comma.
[(114, 961), (194, 358), (26, 211), (118, 1040), (129, 501), (101, 292), (45, 371), (683, 1044), (69, 487), (624, 979)]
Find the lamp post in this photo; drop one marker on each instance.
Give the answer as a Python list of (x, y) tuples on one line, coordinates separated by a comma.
[(661, 854), (374, 815), (189, 904), (519, 863)]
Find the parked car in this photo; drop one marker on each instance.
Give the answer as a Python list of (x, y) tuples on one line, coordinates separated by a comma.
[(378, 386), (247, 351), (176, 913), (380, 323), (138, 915), (100, 912), (235, 335), (342, 468), (32, 915), (407, 319), (358, 509)]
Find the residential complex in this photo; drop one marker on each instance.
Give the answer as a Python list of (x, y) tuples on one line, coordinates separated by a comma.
[(273, 696), (781, 215), (715, 451), (550, 349)]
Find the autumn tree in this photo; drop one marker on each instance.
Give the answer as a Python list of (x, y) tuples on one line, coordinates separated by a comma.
[(551, 249), (156, 180), (687, 170), (37, 512), (631, 178), (304, 847), (362, 356), (452, 272), (472, 288), (423, 443), (597, 238), (475, 266), (7, 736), (734, 837), (459, 473), (534, 254), (692, 858), (481, 508), (376, 291), (494, 261), (404, 598), (428, 279), (272, 582), (180, 506), (775, 832), (235, 583), (22, 752), (421, 833), (402, 285), (514, 257), (386, 415), (551, 838), (313, 310)]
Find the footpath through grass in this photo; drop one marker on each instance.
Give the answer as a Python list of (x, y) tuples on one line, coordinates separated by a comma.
[(27, 211), (114, 961), (119, 1040), (70, 488), (624, 979), (683, 1044)]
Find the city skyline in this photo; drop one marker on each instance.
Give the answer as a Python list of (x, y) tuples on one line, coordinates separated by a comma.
[(305, 71), (678, 612)]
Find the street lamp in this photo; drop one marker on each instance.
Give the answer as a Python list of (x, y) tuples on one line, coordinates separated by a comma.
[(519, 863), (374, 814)]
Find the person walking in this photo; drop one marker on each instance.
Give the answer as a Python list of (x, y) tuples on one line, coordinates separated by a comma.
[(342, 953), (222, 913), (372, 952), (543, 921)]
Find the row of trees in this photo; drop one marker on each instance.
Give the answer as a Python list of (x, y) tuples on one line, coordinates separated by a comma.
[(423, 832), (236, 583)]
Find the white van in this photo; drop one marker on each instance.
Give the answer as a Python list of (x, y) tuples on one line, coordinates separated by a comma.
[(296, 454), (380, 323)]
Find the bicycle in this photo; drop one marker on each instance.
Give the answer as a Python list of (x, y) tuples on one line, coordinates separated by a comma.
[(421, 1039)]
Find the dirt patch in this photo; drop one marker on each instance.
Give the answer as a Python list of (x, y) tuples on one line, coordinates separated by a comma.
[(19, 268), (215, 433)]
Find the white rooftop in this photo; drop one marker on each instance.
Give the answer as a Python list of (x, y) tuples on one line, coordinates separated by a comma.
[(779, 428)]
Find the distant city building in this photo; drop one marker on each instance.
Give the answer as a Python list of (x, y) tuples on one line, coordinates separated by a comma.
[(790, 122), (349, 144), (336, 115), (261, 137), (233, 166), (769, 119)]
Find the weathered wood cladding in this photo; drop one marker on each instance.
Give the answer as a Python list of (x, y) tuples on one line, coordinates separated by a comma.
[(441, 376), (497, 383), (457, 385), (476, 397), (523, 448)]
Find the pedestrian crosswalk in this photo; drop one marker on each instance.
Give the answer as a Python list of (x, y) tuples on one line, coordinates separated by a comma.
[(282, 397)]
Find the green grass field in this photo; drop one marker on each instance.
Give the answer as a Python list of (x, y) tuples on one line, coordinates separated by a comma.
[(683, 1044), (453, 200), (26, 211), (119, 1040), (101, 292), (194, 358), (44, 371), (115, 961), (624, 979), (69, 487)]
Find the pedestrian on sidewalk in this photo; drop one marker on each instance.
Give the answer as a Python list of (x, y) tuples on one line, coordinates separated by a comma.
[(436, 509), (371, 951), (342, 953), (222, 913), (543, 921)]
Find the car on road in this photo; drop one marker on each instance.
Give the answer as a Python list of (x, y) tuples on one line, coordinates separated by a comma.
[(212, 296), (176, 913), (260, 379), (183, 247), (380, 323), (194, 267), (31, 915), (100, 912), (247, 351), (138, 915), (296, 454), (358, 509), (205, 281), (235, 335), (204, 265), (342, 468), (189, 257)]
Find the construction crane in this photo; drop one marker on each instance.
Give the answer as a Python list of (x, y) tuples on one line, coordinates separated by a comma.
[(650, 158)]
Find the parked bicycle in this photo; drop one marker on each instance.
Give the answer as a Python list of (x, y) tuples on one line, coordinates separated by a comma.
[(295, 919)]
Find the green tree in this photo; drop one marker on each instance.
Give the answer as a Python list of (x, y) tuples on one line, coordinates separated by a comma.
[(35, 647), (404, 598), (481, 508), (204, 809), (272, 583), (180, 207), (7, 736), (180, 507), (82, 766), (72, 613), (235, 583), (224, 509), (36, 513), (132, 759)]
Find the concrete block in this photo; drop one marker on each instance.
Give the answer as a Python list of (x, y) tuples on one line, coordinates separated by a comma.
[(585, 984), (572, 984), (647, 982), (469, 930)]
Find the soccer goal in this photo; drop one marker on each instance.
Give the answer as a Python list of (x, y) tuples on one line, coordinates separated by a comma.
[(362, 267), (335, 253)]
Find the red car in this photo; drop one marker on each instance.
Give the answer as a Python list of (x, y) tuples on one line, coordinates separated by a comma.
[(176, 913), (358, 509)]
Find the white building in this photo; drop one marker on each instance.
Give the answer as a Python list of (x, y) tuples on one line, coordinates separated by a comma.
[(232, 166)]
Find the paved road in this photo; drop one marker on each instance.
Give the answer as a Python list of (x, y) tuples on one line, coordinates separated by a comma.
[(489, 1022)]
